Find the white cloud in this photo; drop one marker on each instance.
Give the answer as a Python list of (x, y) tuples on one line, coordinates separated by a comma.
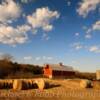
[(77, 46), (28, 58), (45, 36), (91, 48), (46, 58), (38, 58), (48, 28), (24, 28), (9, 10), (24, 1), (84, 27), (88, 36), (77, 34), (89, 30), (87, 6), (96, 26), (42, 19), (49, 58), (27, 1), (13, 35), (68, 3), (95, 49)]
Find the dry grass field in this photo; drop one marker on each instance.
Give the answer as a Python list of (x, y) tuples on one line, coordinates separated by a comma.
[(60, 89)]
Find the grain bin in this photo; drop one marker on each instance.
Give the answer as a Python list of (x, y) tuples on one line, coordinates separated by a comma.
[(98, 74)]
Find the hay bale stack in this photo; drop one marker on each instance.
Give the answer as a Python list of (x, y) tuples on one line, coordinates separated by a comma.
[(6, 84), (17, 84), (85, 83), (28, 84), (40, 83)]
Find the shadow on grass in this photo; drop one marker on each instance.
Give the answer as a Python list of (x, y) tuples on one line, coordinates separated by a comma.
[(49, 85)]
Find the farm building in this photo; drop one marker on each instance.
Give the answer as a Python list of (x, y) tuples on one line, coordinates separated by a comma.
[(57, 70)]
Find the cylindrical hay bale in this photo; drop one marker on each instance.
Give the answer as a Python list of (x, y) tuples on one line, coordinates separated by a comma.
[(96, 84), (24, 86), (17, 84), (6, 84), (40, 83), (10, 83), (30, 83), (85, 83), (47, 85), (1, 85)]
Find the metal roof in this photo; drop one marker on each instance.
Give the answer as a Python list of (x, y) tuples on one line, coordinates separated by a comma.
[(58, 67)]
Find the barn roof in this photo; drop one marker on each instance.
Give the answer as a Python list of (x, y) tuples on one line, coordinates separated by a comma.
[(59, 67)]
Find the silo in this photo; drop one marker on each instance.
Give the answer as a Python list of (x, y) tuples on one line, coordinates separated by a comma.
[(98, 74)]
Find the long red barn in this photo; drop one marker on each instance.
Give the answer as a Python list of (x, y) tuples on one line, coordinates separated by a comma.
[(57, 70)]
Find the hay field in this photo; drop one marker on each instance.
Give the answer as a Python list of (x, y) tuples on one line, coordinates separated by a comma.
[(62, 89)]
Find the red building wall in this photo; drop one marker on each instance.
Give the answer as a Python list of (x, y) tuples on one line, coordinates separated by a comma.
[(48, 72)]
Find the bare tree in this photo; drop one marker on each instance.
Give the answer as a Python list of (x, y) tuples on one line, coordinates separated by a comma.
[(6, 57)]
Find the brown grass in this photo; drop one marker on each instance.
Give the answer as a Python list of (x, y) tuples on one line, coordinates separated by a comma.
[(56, 89)]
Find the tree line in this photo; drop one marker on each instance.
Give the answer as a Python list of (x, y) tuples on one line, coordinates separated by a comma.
[(10, 69)]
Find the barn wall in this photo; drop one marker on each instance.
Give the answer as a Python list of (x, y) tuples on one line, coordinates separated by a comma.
[(63, 74), (49, 72)]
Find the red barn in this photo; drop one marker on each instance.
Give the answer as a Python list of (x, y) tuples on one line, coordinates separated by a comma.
[(58, 70)]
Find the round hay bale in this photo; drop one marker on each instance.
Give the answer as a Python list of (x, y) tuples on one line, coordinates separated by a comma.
[(24, 86), (17, 84), (5, 84), (85, 83), (47, 85), (8, 84), (96, 84), (27, 84), (40, 83), (30, 83), (1, 85)]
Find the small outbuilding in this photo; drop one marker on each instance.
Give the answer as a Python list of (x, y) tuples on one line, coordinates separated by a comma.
[(58, 70)]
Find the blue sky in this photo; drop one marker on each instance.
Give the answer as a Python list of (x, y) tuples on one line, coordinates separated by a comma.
[(52, 31)]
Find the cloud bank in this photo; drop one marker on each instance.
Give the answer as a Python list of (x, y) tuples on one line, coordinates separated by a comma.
[(18, 34)]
